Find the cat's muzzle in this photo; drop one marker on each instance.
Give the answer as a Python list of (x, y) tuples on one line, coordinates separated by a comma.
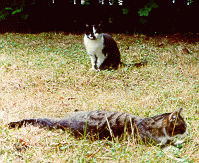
[(92, 37)]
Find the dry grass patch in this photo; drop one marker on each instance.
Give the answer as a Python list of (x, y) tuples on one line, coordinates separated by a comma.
[(47, 75)]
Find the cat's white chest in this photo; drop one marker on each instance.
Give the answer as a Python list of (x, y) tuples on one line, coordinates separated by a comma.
[(93, 47)]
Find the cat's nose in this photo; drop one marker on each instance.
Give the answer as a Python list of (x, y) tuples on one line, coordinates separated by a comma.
[(92, 37)]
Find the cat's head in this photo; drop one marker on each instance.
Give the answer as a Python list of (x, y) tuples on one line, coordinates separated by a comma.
[(93, 31), (163, 128), (175, 125)]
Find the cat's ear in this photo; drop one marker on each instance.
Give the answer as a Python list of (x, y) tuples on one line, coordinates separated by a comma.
[(174, 115), (87, 25), (100, 24)]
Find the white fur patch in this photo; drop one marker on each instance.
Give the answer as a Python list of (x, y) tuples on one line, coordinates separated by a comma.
[(94, 46), (174, 117), (94, 49), (167, 137)]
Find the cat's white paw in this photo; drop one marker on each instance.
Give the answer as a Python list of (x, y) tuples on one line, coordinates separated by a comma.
[(93, 69), (178, 142)]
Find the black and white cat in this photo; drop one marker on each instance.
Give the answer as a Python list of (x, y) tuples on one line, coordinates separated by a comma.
[(103, 49)]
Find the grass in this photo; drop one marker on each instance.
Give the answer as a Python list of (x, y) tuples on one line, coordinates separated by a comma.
[(47, 75)]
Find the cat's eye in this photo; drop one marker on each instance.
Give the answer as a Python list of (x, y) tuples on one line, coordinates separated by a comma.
[(98, 30), (177, 130)]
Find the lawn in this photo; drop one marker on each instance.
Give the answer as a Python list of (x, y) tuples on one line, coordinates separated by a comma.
[(48, 75)]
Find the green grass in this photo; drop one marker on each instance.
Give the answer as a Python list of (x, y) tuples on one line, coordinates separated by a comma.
[(47, 75)]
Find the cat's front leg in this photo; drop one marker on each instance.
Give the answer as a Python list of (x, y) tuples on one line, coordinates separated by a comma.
[(93, 61), (100, 60)]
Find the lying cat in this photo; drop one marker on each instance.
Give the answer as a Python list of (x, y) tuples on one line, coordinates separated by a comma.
[(102, 49), (158, 129)]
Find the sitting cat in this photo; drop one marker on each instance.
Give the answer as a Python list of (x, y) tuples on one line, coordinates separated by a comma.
[(158, 129), (102, 49)]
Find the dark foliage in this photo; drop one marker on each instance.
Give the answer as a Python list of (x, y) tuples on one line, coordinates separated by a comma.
[(146, 16)]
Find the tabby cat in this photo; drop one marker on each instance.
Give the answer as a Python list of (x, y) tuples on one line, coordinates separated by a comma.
[(160, 129)]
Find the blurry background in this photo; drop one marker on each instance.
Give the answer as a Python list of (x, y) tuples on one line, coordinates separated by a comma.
[(123, 16)]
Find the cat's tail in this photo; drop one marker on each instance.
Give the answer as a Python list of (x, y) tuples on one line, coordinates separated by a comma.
[(138, 64), (40, 122)]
